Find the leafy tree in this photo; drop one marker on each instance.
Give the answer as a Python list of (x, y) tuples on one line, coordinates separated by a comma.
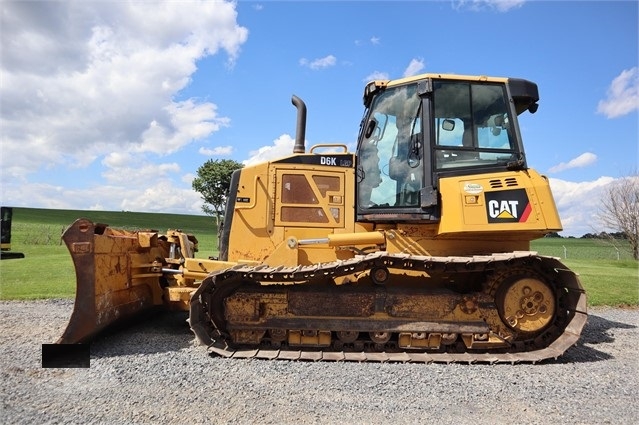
[(213, 182), (620, 210)]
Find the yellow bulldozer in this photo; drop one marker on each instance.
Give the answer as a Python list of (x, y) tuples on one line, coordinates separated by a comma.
[(415, 248)]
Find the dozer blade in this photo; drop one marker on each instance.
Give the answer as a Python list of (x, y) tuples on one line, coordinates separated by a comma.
[(118, 276)]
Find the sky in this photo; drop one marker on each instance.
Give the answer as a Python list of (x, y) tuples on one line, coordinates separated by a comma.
[(113, 105)]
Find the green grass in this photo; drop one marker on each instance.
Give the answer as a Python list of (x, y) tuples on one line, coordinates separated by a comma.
[(583, 249), (608, 282), (47, 270), (33, 226)]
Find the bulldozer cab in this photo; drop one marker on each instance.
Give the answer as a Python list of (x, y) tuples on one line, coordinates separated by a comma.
[(416, 131)]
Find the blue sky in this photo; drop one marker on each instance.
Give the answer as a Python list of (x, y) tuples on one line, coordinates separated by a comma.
[(114, 105)]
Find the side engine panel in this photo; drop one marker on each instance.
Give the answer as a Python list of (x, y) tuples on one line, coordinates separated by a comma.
[(520, 202), (306, 196)]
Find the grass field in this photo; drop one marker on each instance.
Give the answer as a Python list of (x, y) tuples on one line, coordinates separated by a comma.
[(47, 270)]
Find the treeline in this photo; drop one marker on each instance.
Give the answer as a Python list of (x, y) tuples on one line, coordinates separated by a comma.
[(600, 235)]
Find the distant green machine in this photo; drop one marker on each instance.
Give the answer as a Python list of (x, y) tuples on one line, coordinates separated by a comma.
[(5, 232)]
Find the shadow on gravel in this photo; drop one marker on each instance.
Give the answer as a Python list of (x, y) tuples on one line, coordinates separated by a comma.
[(596, 331), (151, 334)]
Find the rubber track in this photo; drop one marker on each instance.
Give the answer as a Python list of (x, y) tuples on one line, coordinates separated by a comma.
[(263, 273)]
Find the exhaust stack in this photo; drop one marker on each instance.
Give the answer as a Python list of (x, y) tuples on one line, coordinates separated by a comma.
[(300, 132)]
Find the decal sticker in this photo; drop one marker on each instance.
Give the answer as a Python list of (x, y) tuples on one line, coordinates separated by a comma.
[(337, 160), (328, 160), (508, 206), (473, 188)]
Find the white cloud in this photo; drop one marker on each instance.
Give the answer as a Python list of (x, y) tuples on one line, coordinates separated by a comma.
[(84, 82), (377, 75), (140, 175), (583, 160), (188, 178), (217, 151), (479, 5), (187, 121), (321, 63), (96, 207), (505, 5), (282, 147), (117, 160), (375, 40), (84, 79), (414, 67), (176, 200), (578, 204), (160, 195), (622, 95)]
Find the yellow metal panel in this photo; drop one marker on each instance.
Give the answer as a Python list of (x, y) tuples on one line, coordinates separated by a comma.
[(517, 201), (252, 225), (277, 201)]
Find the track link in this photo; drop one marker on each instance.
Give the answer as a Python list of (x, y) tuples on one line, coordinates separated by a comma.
[(560, 335)]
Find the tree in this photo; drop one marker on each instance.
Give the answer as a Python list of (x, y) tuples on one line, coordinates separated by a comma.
[(213, 182), (620, 210), (553, 235)]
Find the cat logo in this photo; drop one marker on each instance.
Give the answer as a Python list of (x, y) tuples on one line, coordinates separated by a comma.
[(508, 206)]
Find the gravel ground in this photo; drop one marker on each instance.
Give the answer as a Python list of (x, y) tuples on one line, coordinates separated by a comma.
[(153, 373)]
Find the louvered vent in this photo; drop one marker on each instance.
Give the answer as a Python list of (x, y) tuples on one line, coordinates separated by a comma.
[(495, 184), (508, 182), (511, 182)]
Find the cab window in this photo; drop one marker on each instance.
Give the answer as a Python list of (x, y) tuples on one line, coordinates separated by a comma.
[(390, 168), (472, 125)]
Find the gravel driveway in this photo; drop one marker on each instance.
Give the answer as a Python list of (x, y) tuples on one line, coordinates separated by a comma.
[(153, 373)]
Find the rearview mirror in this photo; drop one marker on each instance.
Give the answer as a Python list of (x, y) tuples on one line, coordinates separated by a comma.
[(448, 125)]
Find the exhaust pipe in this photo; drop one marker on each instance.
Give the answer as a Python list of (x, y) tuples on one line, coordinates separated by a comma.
[(300, 132)]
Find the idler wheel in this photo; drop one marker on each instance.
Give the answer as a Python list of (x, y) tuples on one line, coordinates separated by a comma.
[(526, 305)]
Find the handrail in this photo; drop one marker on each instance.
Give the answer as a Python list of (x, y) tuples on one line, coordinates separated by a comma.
[(330, 145)]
